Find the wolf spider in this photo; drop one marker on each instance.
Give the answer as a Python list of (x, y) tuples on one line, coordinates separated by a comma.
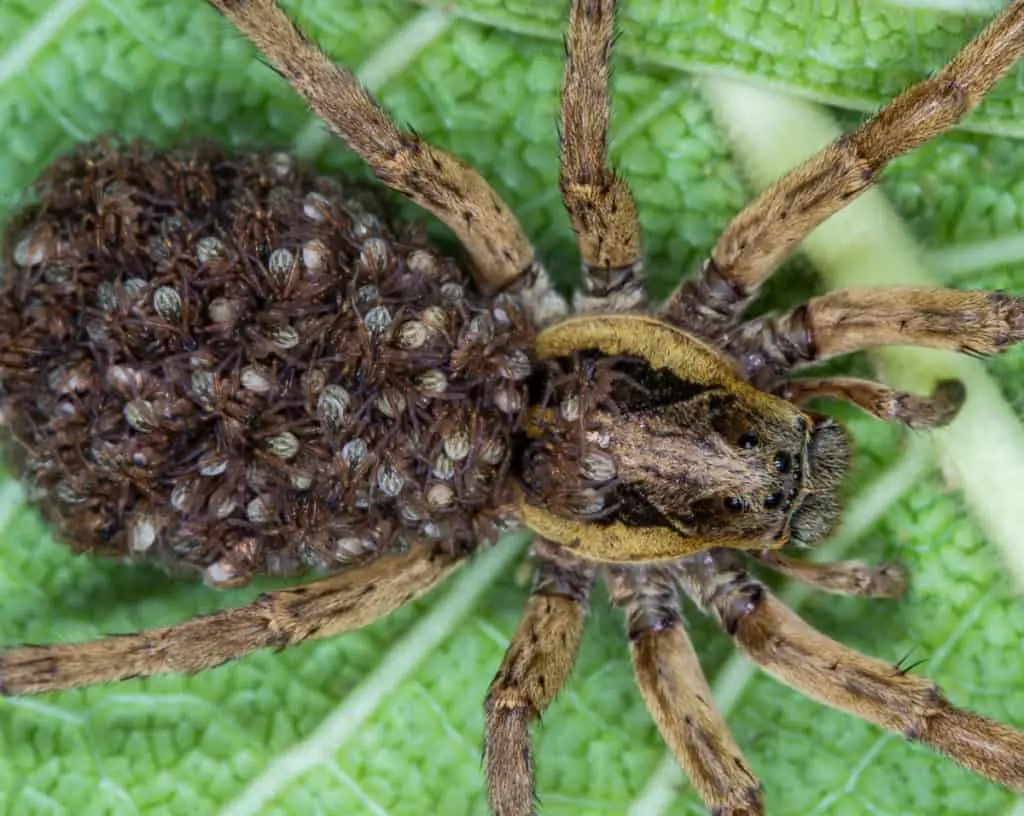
[(660, 448)]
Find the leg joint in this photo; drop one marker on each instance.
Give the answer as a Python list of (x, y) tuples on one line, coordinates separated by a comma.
[(602, 282)]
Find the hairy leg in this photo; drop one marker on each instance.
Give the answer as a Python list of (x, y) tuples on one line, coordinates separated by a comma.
[(757, 240), (440, 183), (881, 401), (971, 322), (677, 693), (598, 201), (539, 660), (838, 577), (795, 653), (332, 606)]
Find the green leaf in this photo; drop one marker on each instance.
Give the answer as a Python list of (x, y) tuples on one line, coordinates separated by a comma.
[(855, 55), (356, 725)]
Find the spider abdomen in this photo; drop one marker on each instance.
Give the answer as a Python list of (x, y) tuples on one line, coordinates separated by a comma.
[(228, 365)]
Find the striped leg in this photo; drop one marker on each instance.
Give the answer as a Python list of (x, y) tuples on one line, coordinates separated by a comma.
[(332, 606), (538, 662), (677, 693), (599, 203), (792, 651), (768, 229)]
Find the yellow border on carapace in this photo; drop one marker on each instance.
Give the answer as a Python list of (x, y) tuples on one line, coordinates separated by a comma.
[(626, 335), (663, 347)]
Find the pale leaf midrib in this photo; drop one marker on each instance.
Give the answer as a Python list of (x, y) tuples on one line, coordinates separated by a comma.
[(393, 668), (36, 37)]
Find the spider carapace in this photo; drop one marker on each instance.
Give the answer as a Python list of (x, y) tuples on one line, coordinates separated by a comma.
[(656, 447), (232, 367)]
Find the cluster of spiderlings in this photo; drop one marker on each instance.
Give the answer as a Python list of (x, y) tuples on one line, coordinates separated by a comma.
[(226, 364), (569, 466)]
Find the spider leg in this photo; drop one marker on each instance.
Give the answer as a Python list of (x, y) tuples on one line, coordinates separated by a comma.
[(597, 199), (879, 400), (332, 606), (539, 660), (795, 653), (677, 693), (838, 577), (440, 183), (971, 322), (760, 237)]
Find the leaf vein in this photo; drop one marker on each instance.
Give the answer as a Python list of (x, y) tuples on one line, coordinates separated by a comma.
[(38, 36)]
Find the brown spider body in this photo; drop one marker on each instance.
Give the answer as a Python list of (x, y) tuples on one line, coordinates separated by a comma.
[(262, 378), (659, 453), (232, 366), (649, 444), (226, 365)]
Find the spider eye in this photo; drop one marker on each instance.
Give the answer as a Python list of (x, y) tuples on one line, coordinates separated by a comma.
[(732, 504), (783, 462), (748, 440), (773, 501)]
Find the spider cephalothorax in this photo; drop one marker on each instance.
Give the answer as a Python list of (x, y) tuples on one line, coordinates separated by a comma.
[(228, 365), (647, 444)]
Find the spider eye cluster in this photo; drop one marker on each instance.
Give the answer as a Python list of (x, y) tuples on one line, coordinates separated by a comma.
[(784, 468), (771, 452)]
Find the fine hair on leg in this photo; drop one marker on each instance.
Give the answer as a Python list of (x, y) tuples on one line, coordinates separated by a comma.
[(977, 323), (919, 412), (797, 654), (332, 606), (769, 228), (442, 184), (597, 199), (677, 693), (838, 577), (537, 663)]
